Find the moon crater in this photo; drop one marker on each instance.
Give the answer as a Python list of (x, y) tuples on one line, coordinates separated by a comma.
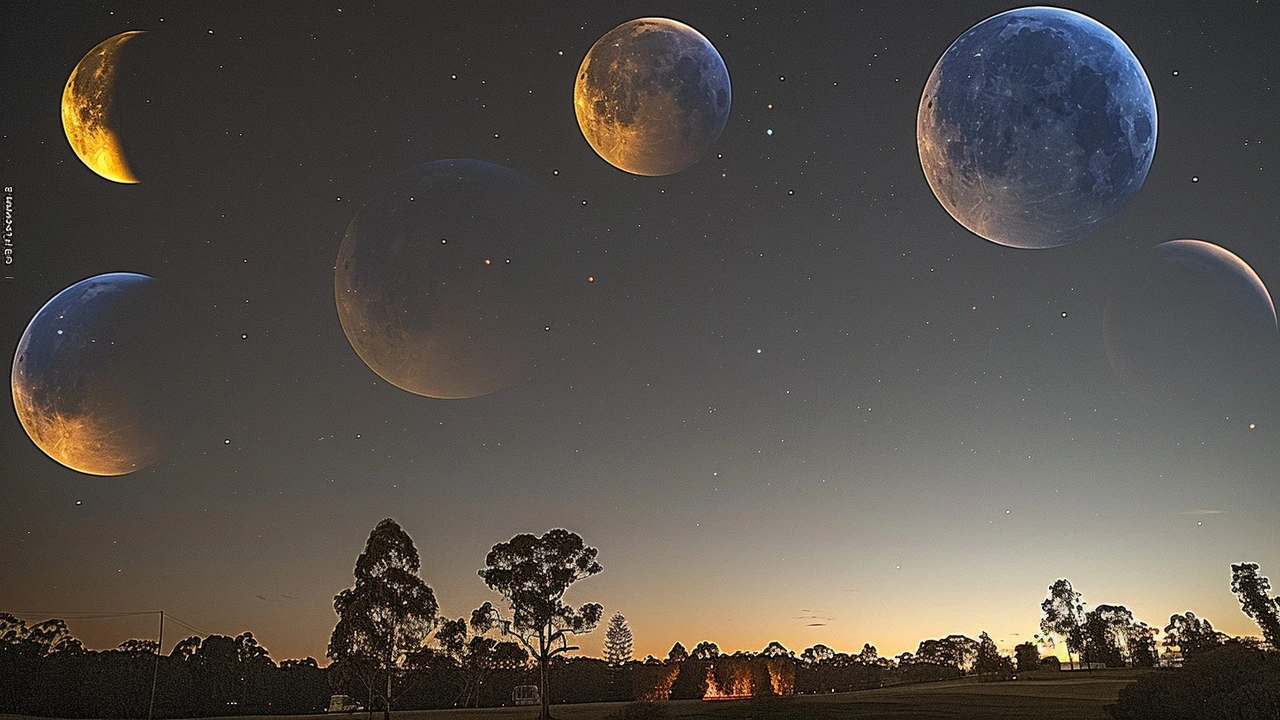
[(652, 96), (86, 110), (84, 374), (1035, 126)]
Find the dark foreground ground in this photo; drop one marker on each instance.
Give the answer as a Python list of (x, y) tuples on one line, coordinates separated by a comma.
[(1066, 695)]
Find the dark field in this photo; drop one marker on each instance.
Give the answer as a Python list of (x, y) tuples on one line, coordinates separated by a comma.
[(1071, 695)]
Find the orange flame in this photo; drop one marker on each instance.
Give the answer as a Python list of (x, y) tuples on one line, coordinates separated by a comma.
[(740, 686), (783, 682)]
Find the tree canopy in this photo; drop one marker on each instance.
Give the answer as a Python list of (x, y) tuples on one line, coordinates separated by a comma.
[(1192, 635), (1254, 592), (387, 615), (677, 654), (533, 574), (1063, 615)]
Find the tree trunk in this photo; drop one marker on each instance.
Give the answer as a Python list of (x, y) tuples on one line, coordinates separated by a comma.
[(543, 657), (542, 682), (386, 703)]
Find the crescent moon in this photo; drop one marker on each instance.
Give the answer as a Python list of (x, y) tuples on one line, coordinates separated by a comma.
[(1231, 260), (86, 110), (1194, 287)]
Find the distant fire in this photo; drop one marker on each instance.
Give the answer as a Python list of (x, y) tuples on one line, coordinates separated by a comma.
[(661, 691), (739, 686), (782, 677)]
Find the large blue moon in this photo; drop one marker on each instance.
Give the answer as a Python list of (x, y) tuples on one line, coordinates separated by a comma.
[(1036, 126), (85, 372)]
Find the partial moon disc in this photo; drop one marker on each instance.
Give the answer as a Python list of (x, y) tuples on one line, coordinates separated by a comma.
[(83, 375), (435, 276), (86, 110), (652, 96), (1035, 126), (1192, 321)]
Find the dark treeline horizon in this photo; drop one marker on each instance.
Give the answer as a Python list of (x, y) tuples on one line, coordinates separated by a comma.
[(47, 671), (392, 649), (51, 674)]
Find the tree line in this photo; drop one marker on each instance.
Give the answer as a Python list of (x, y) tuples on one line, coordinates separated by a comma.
[(45, 670), (391, 649), (1110, 636)]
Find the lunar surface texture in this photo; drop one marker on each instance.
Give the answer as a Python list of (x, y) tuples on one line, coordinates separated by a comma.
[(652, 96), (1035, 126), (82, 375), (86, 110), (434, 278)]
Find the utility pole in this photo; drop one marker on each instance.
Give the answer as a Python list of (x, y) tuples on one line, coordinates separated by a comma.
[(155, 674)]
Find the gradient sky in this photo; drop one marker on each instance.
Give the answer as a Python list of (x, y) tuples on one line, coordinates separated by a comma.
[(798, 403)]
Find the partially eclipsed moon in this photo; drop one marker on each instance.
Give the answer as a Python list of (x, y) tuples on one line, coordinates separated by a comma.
[(652, 96), (86, 110), (81, 375), (434, 278)]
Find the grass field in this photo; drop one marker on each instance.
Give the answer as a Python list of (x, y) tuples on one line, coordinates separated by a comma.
[(1065, 695)]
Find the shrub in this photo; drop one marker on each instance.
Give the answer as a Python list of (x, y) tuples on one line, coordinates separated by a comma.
[(1232, 681)]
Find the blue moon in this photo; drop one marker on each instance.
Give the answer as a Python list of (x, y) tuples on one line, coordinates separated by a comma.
[(1035, 127)]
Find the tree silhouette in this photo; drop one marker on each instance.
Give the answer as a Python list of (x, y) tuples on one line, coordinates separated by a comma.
[(476, 655), (776, 649), (816, 654), (215, 668), (1141, 644), (388, 613), (1254, 592), (957, 651), (1028, 656), (705, 650), (869, 655), (145, 647), (987, 660), (185, 648), (52, 636), (617, 641), (1191, 634), (1106, 630), (678, 654), (533, 573), (1064, 616), (1112, 636)]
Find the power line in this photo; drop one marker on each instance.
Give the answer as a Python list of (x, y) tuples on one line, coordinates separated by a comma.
[(82, 615), (188, 626), (102, 615), (106, 615)]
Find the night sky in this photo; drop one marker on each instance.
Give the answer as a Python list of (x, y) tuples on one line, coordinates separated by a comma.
[(799, 402)]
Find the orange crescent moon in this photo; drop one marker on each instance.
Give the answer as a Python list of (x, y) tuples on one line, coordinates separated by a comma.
[(86, 110)]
